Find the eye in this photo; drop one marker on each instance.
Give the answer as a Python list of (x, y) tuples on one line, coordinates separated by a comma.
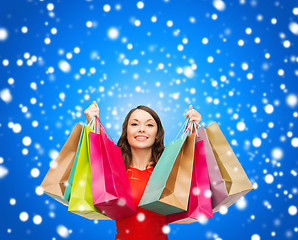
[(150, 125), (134, 124)]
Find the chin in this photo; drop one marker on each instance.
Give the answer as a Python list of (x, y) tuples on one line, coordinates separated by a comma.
[(141, 145)]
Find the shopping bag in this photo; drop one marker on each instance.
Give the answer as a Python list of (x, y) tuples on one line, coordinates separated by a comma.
[(199, 205), (217, 184), (236, 181), (168, 188), (81, 201), (110, 186), (55, 181), (73, 169)]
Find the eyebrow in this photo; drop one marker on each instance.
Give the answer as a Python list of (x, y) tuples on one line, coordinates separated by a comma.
[(139, 121)]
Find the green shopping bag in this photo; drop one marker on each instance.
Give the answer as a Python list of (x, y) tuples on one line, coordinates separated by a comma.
[(81, 201), (168, 188)]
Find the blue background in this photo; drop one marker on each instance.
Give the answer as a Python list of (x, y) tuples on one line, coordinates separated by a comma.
[(237, 89)]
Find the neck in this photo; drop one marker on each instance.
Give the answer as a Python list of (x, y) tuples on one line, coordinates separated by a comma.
[(140, 158)]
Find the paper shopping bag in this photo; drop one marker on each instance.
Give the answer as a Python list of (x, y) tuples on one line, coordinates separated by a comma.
[(217, 184), (55, 181), (81, 201), (167, 190), (199, 205), (73, 169), (236, 181), (111, 190)]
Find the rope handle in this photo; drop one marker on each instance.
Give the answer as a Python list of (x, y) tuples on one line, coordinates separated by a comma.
[(102, 127)]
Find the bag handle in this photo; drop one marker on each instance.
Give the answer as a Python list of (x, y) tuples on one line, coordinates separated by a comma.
[(183, 126), (194, 129), (101, 127), (92, 125)]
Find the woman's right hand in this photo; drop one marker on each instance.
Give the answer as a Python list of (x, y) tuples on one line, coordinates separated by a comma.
[(91, 112)]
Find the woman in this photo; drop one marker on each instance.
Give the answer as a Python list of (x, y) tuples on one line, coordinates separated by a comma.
[(141, 144)]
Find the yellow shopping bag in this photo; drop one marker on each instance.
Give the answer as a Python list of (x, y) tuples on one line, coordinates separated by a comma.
[(81, 201)]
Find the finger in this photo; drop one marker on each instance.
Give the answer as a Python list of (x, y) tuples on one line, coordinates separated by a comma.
[(93, 107), (198, 116), (196, 119), (95, 104), (94, 113), (190, 113), (193, 112)]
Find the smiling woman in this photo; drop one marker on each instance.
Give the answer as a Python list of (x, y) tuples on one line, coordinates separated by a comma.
[(141, 144), (141, 141)]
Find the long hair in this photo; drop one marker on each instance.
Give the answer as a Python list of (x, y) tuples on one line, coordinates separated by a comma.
[(157, 147)]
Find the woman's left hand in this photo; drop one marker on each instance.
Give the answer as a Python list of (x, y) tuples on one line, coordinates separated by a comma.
[(193, 115)]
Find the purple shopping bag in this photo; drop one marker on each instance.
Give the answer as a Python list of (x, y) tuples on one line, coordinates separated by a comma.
[(110, 186), (218, 188), (199, 205)]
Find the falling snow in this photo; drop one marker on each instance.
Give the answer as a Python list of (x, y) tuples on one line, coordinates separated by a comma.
[(235, 62)]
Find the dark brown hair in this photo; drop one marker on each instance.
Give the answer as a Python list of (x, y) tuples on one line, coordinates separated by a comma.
[(157, 147)]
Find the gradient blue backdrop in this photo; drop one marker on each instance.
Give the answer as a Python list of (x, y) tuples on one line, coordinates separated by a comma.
[(234, 61)]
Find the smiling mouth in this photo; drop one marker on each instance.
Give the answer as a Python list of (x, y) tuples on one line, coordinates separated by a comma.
[(141, 138)]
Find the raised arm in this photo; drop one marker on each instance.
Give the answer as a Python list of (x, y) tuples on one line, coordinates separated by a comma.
[(92, 111), (193, 115)]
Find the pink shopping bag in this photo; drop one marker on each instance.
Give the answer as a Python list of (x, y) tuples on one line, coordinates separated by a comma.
[(199, 205), (111, 190)]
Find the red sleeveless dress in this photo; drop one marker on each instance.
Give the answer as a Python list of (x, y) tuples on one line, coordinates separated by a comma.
[(145, 225)]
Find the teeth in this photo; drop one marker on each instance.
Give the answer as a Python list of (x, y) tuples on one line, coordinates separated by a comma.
[(141, 137)]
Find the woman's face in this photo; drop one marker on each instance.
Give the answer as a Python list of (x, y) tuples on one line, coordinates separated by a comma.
[(141, 130)]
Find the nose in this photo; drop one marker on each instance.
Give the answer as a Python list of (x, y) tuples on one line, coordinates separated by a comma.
[(141, 128)]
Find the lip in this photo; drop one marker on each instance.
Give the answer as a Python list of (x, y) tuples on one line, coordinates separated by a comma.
[(144, 138)]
